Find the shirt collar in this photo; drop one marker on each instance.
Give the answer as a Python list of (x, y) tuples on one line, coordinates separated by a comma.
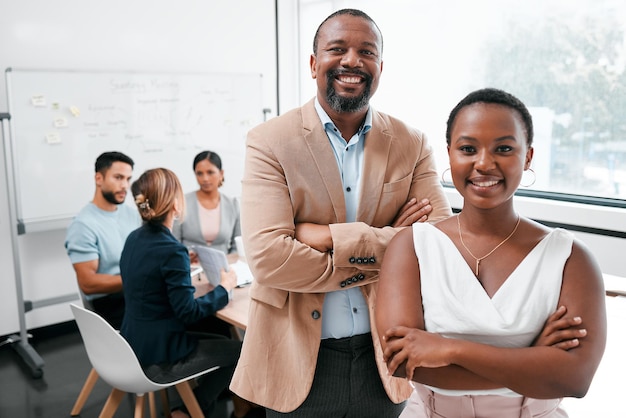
[(329, 125)]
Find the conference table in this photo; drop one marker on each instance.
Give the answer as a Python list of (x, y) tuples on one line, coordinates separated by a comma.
[(236, 312)]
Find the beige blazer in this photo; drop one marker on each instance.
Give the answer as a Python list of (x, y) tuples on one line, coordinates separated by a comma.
[(291, 176)]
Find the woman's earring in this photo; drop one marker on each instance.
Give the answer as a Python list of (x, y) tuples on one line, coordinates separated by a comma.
[(443, 180), (534, 178)]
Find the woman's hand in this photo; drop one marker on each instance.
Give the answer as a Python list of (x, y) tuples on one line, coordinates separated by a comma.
[(228, 279), (417, 348), (193, 257), (560, 332)]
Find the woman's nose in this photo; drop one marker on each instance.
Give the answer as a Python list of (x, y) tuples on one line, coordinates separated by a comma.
[(484, 160)]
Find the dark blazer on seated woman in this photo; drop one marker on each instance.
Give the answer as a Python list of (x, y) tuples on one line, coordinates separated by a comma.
[(157, 287), (189, 232)]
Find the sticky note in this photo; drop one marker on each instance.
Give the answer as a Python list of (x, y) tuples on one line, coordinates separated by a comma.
[(53, 138), (60, 123), (38, 101)]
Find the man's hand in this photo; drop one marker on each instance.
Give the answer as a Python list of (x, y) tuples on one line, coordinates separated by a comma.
[(413, 211), (315, 236)]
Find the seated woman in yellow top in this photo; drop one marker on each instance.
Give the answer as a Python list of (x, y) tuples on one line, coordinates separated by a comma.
[(212, 218)]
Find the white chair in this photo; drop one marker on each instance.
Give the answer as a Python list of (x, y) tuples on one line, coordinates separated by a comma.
[(116, 363), (92, 378)]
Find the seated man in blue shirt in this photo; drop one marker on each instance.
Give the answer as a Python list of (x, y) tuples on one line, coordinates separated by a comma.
[(96, 236)]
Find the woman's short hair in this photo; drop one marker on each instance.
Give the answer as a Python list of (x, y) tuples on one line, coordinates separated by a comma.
[(493, 96)]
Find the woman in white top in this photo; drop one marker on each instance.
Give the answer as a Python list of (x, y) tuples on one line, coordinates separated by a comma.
[(212, 217), (488, 313)]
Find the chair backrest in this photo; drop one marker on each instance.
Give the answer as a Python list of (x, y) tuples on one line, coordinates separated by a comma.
[(110, 354), (87, 304)]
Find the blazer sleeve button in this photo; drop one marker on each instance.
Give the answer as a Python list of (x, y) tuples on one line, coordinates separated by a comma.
[(343, 283), (361, 276), (315, 314), (352, 260), (372, 260)]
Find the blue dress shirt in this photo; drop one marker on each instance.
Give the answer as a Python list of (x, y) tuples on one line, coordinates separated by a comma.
[(345, 312)]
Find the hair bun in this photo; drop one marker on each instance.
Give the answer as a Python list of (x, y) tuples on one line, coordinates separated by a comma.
[(144, 206)]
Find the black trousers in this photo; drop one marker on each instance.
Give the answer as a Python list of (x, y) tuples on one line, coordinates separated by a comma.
[(212, 350), (346, 384)]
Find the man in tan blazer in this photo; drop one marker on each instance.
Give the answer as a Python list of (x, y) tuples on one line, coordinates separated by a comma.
[(325, 187)]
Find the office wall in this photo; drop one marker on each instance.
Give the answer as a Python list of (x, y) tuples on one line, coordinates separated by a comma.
[(232, 36)]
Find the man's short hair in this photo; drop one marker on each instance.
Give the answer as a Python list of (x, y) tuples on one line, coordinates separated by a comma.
[(106, 160)]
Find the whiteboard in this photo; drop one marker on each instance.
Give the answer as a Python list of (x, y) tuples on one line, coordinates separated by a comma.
[(61, 120)]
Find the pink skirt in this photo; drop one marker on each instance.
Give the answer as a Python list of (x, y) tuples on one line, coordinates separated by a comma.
[(424, 403)]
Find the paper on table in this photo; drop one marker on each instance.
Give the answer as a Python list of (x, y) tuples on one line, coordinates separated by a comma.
[(195, 271), (212, 262), (244, 275)]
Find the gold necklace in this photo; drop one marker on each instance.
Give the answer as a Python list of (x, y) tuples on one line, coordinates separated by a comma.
[(479, 259)]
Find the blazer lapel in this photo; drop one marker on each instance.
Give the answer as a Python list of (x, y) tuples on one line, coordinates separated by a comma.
[(324, 158), (376, 157)]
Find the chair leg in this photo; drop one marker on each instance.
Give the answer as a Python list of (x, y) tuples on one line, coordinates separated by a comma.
[(165, 404), (139, 404), (184, 389), (235, 333), (152, 405), (91, 380), (112, 403)]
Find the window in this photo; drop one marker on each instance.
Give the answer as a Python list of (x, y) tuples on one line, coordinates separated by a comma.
[(565, 59)]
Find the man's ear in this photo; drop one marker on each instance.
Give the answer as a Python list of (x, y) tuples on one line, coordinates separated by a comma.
[(312, 64)]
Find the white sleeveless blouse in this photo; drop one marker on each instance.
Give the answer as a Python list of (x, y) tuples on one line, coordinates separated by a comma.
[(456, 305)]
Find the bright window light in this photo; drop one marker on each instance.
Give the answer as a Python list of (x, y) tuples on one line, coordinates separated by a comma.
[(565, 59)]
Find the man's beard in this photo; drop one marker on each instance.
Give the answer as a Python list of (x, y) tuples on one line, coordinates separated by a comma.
[(110, 197), (347, 104)]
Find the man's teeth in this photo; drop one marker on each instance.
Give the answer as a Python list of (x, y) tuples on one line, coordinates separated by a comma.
[(353, 80)]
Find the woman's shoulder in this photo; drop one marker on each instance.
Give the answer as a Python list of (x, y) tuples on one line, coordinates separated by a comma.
[(228, 201), (536, 232), (191, 196)]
